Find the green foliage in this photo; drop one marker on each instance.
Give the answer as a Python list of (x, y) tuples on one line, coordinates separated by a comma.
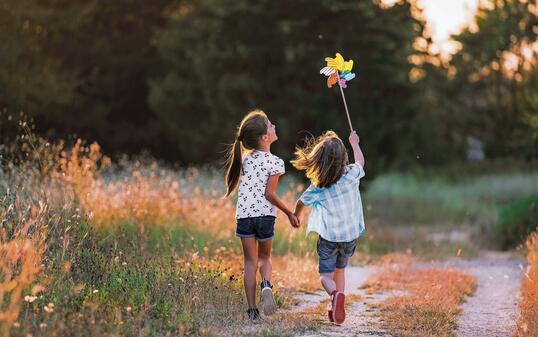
[(82, 67), (517, 220), (175, 77), (491, 93), (222, 58)]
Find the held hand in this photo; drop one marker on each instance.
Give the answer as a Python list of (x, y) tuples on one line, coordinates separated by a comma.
[(293, 220), (299, 221), (354, 138)]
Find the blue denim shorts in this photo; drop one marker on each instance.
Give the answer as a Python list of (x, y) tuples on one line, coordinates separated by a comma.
[(334, 255), (260, 227)]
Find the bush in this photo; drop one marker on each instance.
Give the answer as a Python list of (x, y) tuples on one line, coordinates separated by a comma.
[(516, 221)]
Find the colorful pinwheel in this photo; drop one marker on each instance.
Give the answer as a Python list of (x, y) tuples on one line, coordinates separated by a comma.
[(339, 71)]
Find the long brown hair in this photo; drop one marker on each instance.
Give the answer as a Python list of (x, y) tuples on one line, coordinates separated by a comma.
[(252, 127), (324, 159)]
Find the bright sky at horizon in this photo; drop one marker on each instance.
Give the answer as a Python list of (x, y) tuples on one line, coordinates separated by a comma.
[(447, 16), (444, 18)]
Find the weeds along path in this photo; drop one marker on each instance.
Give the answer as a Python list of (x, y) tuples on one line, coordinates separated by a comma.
[(492, 310), (361, 319)]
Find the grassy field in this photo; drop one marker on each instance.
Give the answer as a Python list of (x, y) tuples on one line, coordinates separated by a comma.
[(135, 248), (404, 199), (90, 248)]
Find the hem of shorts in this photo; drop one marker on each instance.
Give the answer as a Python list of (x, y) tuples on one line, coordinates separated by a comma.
[(332, 271), (245, 235), (256, 216), (265, 239)]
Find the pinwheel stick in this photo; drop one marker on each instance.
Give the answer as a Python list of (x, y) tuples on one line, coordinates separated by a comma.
[(345, 104)]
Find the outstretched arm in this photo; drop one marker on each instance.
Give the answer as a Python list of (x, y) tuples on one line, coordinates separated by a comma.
[(357, 153), (299, 207)]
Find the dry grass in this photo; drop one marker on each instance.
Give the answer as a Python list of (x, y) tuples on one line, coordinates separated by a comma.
[(134, 250), (296, 273), (20, 265), (431, 304), (528, 320)]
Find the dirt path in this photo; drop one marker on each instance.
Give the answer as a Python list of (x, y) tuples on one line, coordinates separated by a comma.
[(491, 311), (361, 320)]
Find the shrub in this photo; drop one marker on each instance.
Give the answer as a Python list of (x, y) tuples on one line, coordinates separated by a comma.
[(516, 221)]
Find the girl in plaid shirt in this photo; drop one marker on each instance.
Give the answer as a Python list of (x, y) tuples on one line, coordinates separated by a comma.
[(337, 214)]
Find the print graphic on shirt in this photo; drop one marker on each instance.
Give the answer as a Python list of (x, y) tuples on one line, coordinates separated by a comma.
[(257, 167)]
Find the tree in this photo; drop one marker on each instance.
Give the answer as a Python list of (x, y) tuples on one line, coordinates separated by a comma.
[(82, 67), (222, 58), (496, 79)]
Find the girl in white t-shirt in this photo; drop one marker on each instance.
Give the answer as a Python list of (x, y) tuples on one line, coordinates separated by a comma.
[(253, 167)]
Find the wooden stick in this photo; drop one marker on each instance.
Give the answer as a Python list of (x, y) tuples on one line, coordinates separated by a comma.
[(344, 99)]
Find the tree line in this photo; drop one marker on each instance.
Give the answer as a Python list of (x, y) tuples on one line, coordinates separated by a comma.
[(174, 77)]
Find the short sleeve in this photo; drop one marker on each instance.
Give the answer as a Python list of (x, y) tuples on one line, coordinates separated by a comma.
[(356, 171), (310, 195), (276, 166)]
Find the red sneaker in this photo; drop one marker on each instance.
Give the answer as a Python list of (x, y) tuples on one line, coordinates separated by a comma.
[(339, 308)]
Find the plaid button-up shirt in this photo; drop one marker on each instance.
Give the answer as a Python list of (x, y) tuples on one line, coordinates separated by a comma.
[(337, 213)]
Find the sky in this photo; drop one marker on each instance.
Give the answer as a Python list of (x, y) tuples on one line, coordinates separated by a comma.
[(445, 17)]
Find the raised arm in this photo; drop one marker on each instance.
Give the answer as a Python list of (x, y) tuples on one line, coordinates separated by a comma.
[(273, 198), (357, 153)]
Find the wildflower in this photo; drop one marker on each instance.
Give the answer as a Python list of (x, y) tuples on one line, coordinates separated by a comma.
[(49, 308), (95, 291), (43, 325), (128, 309), (30, 299)]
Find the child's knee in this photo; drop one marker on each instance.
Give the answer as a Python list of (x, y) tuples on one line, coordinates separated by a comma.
[(251, 263), (264, 259), (325, 276)]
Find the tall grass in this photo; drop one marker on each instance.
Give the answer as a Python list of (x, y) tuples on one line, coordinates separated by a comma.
[(528, 319), (89, 247)]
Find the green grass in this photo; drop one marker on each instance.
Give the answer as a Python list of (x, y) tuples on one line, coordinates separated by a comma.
[(126, 290), (404, 198)]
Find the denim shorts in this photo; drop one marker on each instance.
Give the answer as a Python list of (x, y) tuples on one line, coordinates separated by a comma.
[(260, 227), (334, 255)]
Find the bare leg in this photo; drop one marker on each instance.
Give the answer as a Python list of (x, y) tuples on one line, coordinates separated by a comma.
[(327, 281), (251, 264), (339, 278), (264, 259)]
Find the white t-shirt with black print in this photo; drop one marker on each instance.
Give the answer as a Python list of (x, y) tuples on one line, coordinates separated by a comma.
[(257, 167)]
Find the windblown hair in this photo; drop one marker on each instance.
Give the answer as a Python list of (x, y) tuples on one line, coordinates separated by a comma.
[(324, 159), (249, 132)]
